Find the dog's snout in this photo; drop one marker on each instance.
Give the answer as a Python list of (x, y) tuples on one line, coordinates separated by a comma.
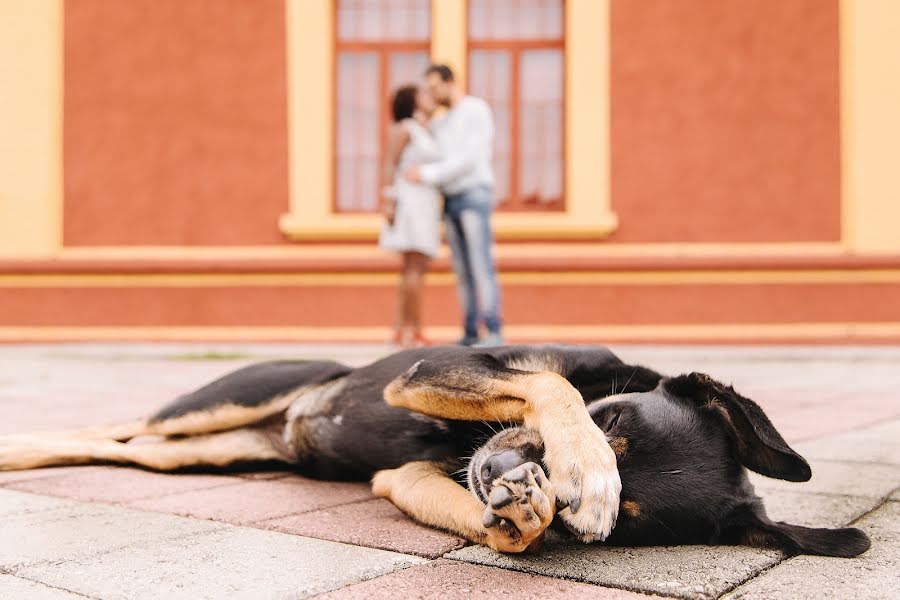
[(500, 463)]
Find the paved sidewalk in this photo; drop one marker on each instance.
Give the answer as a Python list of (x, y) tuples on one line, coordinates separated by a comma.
[(109, 532)]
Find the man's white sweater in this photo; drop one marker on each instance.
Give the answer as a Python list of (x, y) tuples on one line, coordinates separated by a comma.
[(465, 135)]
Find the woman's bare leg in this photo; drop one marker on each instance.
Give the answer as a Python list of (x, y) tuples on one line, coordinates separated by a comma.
[(414, 266)]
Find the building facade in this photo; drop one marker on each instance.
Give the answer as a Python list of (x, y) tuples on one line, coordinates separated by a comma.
[(701, 170)]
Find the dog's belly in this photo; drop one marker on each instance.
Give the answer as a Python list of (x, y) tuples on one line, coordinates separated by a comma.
[(345, 430)]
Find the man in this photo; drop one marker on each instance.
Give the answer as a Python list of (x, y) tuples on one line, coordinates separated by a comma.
[(465, 135)]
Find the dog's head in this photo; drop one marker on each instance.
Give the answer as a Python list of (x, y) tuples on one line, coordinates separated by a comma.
[(683, 450)]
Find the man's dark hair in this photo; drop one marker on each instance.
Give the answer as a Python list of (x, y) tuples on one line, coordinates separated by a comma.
[(443, 71), (404, 103)]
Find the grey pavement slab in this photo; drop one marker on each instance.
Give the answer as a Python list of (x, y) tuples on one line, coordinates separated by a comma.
[(815, 510), (68, 529), (840, 478), (15, 503), (236, 562), (443, 579), (685, 571), (875, 574), (880, 443), (24, 589)]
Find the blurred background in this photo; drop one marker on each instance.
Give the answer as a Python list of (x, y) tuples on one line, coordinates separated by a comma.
[(670, 171)]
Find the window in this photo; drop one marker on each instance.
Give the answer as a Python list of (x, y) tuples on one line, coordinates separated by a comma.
[(380, 44), (516, 52)]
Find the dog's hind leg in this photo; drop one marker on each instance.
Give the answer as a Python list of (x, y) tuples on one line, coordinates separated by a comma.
[(243, 397), (214, 450)]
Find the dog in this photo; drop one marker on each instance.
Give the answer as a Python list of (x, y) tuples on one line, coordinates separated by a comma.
[(615, 452)]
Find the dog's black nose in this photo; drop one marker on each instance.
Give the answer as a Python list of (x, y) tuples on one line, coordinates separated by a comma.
[(500, 463)]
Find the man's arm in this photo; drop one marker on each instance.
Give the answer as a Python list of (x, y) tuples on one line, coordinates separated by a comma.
[(479, 126)]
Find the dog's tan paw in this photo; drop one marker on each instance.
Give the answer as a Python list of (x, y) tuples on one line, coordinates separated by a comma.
[(520, 507), (587, 485)]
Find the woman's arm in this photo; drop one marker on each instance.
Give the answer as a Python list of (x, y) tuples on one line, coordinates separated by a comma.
[(398, 137)]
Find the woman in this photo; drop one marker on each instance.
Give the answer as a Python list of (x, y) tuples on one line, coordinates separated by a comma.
[(412, 210)]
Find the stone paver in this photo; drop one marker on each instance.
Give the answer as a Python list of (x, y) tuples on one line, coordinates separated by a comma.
[(685, 571), (257, 500), (845, 479), (112, 484), (70, 530), (837, 406), (880, 443), (23, 589), (875, 575), (234, 562), (376, 524), (815, 510), (444, 579)]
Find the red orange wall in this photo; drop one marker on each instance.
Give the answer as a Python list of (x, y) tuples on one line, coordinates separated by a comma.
[(725, 120), (175, 122)]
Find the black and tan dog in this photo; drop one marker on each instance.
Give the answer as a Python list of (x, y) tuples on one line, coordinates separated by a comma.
[(413, 420)]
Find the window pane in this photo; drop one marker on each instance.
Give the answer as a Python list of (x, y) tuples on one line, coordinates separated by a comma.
[(489, 78), (541, 126), (359, 109), (383, 20), (407, 68), (515, 19)]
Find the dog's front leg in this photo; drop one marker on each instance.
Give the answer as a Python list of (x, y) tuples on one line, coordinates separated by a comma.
[(520, 507), (581, 465)]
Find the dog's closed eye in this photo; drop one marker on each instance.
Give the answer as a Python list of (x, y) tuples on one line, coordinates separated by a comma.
[(611, 421)]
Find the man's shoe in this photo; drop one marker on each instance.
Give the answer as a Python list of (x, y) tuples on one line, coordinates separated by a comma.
[(491, 341), (467, 340)]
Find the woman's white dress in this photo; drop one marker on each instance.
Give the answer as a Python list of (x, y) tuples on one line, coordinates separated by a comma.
[(416, 225)]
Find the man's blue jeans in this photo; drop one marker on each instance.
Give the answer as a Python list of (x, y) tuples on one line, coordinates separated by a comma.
[(467, 217)]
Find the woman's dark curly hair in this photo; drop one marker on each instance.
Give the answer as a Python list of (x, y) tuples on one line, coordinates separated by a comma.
[(403, 104)]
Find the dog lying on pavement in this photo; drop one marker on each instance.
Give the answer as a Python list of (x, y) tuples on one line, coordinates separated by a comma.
[(615, 452)]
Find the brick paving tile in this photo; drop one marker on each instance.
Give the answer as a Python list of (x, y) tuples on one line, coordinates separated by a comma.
[(376, 524), (449, 579), (256, 500), (116, 484)]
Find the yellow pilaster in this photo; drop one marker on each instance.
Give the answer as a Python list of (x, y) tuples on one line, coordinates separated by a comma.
[(31, 72), (870, 125), (310, 56), (448, 35)]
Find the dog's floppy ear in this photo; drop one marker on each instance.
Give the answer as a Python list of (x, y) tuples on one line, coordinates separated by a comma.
[(750, 526), (756, 442)]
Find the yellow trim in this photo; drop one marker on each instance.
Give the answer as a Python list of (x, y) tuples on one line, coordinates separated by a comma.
[(651, 277), (870, 124), (535, 249), (31, 72), (310, 52), (588, 214), (448, 35), (750, 332)]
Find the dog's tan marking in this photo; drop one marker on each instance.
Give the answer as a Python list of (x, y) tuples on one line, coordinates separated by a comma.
[(619, 446), (218, 449), (631, 508), (581, 463)]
